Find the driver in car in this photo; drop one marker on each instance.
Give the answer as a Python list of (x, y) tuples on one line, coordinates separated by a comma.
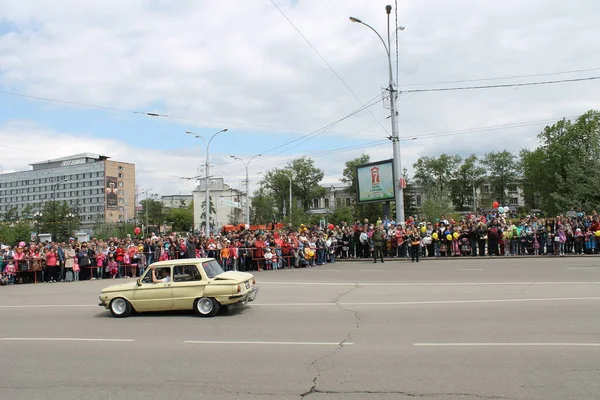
[(166, 275)]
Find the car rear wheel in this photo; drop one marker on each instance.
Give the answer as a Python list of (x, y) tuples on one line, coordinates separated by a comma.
[(206, 307), (120, 308)]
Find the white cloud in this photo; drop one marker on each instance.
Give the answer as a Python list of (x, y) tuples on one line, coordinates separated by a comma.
[(243, 62)]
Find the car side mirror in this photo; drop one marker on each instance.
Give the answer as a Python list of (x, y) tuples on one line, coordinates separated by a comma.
[(139, 282)]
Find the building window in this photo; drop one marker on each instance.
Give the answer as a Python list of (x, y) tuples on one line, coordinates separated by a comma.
[(120, 175), (514, 201), (120, 184), (120, 168), (122, 201), (418, 200), (338, 202), (348, 202), (326, 203), (316, 203), (121, 192)]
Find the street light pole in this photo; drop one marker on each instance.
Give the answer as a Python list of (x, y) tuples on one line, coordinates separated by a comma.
[(207, 199), (37, 216), (397, 164), (247, 185)]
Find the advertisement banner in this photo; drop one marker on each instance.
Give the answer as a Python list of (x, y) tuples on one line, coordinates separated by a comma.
[(112, 198), (375, 182)]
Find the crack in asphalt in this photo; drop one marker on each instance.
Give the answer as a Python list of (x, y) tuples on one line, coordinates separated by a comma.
[(413, 394), (315, 363)]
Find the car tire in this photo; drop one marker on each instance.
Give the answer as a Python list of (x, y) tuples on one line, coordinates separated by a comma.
[(206, 307), (120, 307)]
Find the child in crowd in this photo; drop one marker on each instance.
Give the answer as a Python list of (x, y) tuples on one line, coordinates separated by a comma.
[(113, 267), (76, 270), (11, 272), (268, 259)]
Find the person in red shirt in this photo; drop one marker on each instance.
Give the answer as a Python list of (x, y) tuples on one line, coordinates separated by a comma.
[(119, 258), (259, 252)]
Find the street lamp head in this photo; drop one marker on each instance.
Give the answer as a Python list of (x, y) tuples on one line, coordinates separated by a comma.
[(189, 132), (355, 19), (388, 9), (225, 130), (401, 28)]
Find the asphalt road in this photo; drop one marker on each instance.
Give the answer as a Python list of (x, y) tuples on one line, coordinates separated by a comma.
[(455, 329)]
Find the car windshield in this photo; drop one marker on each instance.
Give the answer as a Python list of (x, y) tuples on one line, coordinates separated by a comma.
[(212, 268)]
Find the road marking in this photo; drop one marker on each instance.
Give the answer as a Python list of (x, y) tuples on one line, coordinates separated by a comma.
[(427, 302), (324, 270), (429, 284), (470, 269), (504, 344), (49, 306), (584, 268), (26, 339), (267, 343), (372, 270)]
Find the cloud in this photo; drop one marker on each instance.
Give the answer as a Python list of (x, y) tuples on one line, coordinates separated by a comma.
[(244, 63)]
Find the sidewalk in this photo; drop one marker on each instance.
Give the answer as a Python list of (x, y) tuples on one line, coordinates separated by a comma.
[(469, 258)]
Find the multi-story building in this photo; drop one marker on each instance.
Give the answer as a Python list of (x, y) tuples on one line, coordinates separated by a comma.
[(176, 200), (227, 204), (98, 188), (335, 196)]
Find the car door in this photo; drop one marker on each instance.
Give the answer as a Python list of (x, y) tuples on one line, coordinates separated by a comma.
[(150, 296), (188, 285)]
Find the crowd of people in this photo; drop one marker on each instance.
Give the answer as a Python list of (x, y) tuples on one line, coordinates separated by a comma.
[(473, 235)]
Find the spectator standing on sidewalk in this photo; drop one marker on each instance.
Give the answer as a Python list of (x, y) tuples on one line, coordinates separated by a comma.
[(378, 239)]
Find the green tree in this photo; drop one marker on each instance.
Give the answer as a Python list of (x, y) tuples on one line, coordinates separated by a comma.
[(502, 168), (349, 177), (432, 172), (262, 207), (212, 211), (11, 214), (409, 194), (181, 219), (341, 213), (557, 175), (305, 182), (55, 220), (13, 233), (436, 204), (467, 176), (155, 211)]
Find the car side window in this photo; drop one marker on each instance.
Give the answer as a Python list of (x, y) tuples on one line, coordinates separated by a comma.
[(186, 273)]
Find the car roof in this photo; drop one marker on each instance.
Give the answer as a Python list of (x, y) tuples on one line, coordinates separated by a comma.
[(181, 261)]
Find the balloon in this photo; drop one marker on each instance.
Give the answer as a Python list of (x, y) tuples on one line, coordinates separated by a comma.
[(137, 230), (597, 233), (330, 227), (423, 229), (495, 204), (506, 209), (449, 237), (435, 235), (501, 210), (21, 244), (456, 235), (246, 226)]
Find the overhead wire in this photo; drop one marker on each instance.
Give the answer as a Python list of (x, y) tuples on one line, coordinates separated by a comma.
[(502, 77), (507, 85), (327, 64)]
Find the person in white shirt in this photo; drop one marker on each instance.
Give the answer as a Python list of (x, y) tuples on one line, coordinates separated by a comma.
[(165, 279)]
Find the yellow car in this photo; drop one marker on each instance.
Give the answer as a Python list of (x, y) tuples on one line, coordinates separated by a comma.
[(198, 284)]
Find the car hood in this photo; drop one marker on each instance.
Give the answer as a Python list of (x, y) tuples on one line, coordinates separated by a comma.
[(122, 286), (234, 276)]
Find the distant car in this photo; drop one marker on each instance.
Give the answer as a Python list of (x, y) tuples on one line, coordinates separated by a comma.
[(198, 284)]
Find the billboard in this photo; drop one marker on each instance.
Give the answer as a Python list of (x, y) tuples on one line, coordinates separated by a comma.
[(375, 181), (111, 193)]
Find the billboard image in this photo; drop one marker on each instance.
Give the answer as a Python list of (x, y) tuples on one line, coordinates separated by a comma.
[(111, 193), (375, 181)]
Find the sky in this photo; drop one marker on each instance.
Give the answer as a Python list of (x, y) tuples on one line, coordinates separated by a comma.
[(275, 73)]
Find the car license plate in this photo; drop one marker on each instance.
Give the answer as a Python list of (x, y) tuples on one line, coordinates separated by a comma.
[(247, 284)]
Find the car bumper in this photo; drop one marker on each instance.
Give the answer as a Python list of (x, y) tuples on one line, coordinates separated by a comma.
[(243, 299)]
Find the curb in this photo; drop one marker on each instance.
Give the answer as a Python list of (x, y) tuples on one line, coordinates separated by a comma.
[(472, 258)]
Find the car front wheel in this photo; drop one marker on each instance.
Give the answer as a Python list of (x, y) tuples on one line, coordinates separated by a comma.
[(120, 308), (206, 307)]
